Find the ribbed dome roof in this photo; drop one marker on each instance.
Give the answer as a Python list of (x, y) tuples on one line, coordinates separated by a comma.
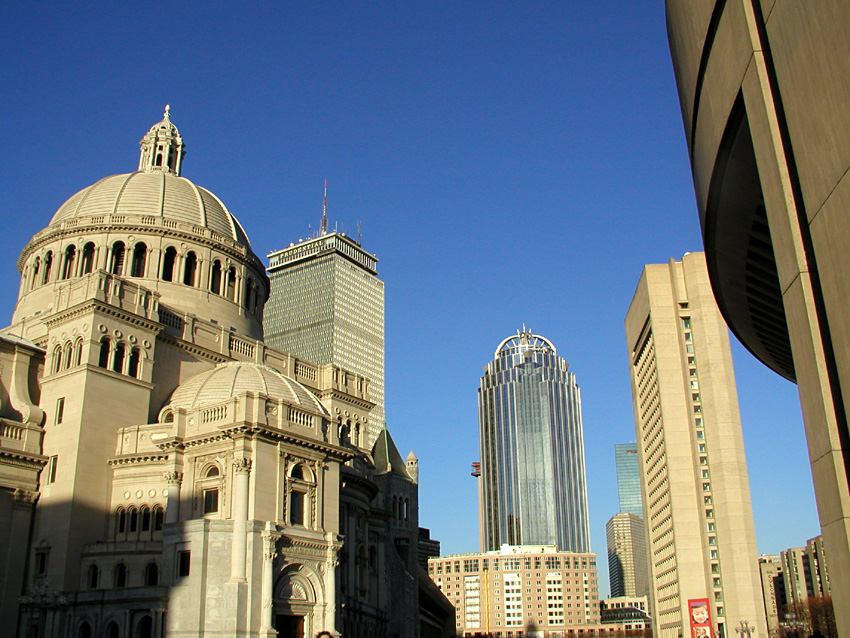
[(232, 378), (153, 194)]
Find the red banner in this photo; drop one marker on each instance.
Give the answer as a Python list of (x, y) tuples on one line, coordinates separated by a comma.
[(699, 614)]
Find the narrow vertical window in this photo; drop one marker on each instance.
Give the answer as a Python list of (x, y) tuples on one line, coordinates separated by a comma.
[(60, 410), (184, 562), (117, 265), (48, 262), (215, 277), (103, 359), (68, 264), (88, 258), (34, 279), (118, 359), (231, 283), (189, 268), (168, 261), (296, 508), (140, 255), (133, 364), (121, 575)]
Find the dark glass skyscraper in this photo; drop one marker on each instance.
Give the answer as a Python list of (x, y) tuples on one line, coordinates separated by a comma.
[(533, 486)]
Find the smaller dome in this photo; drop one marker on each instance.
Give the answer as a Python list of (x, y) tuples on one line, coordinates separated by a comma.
[(236, 377)]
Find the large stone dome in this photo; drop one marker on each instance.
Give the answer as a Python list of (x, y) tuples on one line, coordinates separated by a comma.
[(232, 378), (153, 194)]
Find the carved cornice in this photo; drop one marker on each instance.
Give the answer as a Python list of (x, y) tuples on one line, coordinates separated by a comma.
[(27, 460), (135, 459), (105, 308)]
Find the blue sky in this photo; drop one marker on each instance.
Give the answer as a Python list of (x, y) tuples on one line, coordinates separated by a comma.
[(510, 163)]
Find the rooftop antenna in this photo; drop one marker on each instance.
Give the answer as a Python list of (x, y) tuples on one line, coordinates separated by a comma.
[(359, 232), (324, 230)]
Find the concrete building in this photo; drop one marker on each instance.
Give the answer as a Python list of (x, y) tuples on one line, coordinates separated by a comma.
[(533, 488), (163, 471), (521, 591), (762, 87), (627, 569), (773, 590), (804, 572), (699, 520), (327, 305)]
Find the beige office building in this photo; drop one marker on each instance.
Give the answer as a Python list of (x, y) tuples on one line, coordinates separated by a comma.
[(764, 88), (521, 590), (699, 519), (773, 591), (626, 539)]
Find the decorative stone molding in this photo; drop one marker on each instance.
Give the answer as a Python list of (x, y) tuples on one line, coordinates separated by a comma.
[(173, 478), (25, 498), (242, 465)]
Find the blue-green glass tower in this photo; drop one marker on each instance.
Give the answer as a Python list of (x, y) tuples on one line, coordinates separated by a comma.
[(628, 479), (533, 485)]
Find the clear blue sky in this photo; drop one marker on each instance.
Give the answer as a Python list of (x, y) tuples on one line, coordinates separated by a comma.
[(511, 163)]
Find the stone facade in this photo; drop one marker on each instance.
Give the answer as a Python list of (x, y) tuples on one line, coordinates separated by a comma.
[(190, 480)]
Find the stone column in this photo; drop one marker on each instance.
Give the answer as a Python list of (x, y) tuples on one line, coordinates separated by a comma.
[(242, 470), (270, 538), (172, 508)]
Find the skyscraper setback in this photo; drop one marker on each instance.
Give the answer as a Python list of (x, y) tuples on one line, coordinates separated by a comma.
[(327, 305), (533, 486), (699, 518)]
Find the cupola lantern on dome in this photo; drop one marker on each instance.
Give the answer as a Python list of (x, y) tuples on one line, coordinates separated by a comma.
[(162, 147)]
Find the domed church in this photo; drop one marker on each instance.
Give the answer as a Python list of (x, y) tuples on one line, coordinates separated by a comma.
[(163, 471)]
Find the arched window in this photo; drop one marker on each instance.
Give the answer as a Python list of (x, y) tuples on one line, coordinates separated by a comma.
[(118, 358), (67, 355), (301, 480), (168, 261), (134, 519), (35, 266), (88, 258), (189, 268), (209, 491), (213, 471), (158, 517), (116, 267), (120, 575), (146, 518), (133, 364), (112, 630), (85, 630), (103, 359), (145, 628), (231, 283), (140, 256), (93, 577), (122, 520), (215, 277), (68, 264), (48, 262), (152, 574), (57, 359), (78, 352)]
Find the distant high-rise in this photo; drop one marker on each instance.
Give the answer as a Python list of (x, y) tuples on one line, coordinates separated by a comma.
[(326, 304), (627, 569), (628, 479), (533, 486), (699, 518), (624, 532)]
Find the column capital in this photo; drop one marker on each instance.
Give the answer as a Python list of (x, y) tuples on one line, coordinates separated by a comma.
[(242, 465), (25, 498), (173, 478)]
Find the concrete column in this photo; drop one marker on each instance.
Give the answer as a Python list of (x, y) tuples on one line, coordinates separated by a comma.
[(242, 471), (270, 538), (172, 509)]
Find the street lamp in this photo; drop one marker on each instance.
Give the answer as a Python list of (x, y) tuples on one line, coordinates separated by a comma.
[(744, 628)]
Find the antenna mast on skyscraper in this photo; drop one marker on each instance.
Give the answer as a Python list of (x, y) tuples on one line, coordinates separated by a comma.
[(324, 230)]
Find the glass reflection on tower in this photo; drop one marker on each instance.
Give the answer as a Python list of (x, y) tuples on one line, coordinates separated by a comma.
[(533, 486)]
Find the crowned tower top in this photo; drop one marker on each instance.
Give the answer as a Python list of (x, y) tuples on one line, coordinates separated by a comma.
[(162, 147)]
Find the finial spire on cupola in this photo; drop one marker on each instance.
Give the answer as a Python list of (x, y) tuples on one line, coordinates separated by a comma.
[(162, 148)]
